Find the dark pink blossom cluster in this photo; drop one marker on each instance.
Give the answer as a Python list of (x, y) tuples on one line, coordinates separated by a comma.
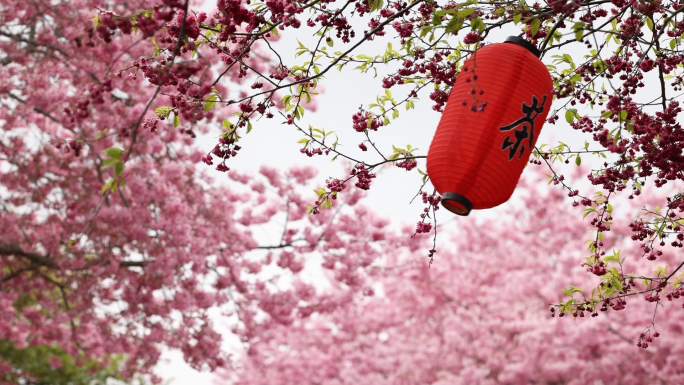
[(407, 164), (361, 122), (335, 185), (223, 151), (423, 227), (403, 29), (363, 176)]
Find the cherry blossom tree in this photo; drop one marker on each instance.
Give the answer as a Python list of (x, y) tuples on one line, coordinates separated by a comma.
[(474, 317), (113, 244), (617, 48)]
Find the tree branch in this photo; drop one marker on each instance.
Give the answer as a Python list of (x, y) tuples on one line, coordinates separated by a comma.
[(46, 261), (33, 257), (132, 264), (14, 274), (307, 79), (37, 109)]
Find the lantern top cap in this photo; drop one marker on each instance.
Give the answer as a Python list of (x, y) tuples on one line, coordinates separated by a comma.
[(524, 43)]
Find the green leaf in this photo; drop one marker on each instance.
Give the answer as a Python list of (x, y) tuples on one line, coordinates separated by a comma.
[(453, 26), (445, 12), (570, 115), (578, 160), (517, 17), (119, 168), (606, 114), (571, 289), (113, 152), (465, 13), (289, 107), (163, 111), (477, 24), (176, 121), (534, 27), (375, 5), (226, 124), (617, 284), (579, 30), (649, 22), (436, 20), (567, 307), (210, 102), (107, 185), (623, 116), (109, 162), (673, 43), (588, 211)]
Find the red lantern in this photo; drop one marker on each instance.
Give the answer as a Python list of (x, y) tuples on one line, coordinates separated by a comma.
[(490, 124)]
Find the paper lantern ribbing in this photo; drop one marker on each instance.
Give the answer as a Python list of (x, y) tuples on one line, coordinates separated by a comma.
[(484, 140)]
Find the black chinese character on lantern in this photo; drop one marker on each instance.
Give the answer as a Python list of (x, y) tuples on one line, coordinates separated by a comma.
[(521, 134)]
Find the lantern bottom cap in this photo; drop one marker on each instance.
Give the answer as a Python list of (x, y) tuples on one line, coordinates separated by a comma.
[(456, 203)]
